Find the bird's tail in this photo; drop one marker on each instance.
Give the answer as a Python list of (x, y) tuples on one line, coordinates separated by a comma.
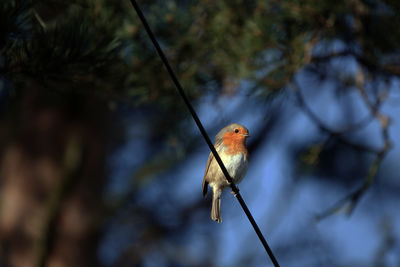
[(216, 206)]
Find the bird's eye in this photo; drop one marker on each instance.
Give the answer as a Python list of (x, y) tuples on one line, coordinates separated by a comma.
[(236, 130)]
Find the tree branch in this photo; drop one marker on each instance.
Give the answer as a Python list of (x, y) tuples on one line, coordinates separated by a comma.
[(349, 202)]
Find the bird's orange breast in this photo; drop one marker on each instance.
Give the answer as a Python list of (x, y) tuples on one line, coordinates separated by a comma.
[(235, 144)]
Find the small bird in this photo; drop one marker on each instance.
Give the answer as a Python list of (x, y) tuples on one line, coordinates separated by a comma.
[(230, 144)]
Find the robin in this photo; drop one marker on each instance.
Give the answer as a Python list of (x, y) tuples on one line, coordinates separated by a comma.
[(230, 144)]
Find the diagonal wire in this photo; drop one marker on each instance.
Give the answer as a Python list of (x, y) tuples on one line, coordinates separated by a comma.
[(235, 189)]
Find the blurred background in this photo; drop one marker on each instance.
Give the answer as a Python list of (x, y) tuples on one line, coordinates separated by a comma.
[(102, 165)]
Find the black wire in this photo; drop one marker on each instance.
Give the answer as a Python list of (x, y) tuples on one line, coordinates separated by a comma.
[(204, 133)]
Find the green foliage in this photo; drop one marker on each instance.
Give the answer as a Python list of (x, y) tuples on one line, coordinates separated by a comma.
[(208, 43), (66, 54)]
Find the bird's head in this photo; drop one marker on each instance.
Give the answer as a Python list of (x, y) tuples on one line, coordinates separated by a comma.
[(233, 133)]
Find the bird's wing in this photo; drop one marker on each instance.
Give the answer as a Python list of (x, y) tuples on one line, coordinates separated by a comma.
[(210, 159), (205, 183)]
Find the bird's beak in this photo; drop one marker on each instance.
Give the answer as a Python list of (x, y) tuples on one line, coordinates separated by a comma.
[(247, 135)]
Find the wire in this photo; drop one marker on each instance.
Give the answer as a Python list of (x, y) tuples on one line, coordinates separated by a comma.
[(235, 189)]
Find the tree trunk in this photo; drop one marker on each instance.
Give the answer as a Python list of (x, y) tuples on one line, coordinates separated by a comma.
[(52, 177)]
